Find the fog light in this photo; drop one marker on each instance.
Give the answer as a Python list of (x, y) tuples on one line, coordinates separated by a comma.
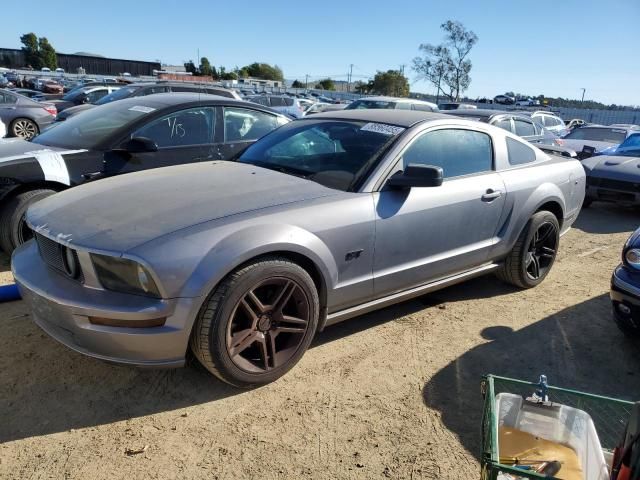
[(633, 257), (115, 322)]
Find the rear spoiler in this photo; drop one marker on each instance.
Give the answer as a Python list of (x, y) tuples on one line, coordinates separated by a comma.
[(553, 150)]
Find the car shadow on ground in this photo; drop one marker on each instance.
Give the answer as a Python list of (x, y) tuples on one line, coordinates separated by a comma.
[(603, 217), (47, 388), (483, 287), (579, 348)]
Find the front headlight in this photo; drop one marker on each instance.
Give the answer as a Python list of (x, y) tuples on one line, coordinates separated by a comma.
[(124, 275), (632, 257)]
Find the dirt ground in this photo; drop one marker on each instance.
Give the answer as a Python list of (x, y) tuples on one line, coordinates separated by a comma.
[(393, 394)]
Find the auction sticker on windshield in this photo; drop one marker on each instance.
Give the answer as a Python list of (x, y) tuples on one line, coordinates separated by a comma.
[(382, 128), (143, 109)]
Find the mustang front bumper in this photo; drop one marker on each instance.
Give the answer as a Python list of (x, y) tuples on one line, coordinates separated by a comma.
[(62, 307), (625, 297)]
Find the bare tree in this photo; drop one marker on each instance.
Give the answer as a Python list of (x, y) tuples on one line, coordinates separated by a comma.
[(447, 65)]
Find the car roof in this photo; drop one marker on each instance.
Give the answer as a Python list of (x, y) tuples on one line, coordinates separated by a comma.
[(394, 99), (400, 118), (477, 112), (163, 100)]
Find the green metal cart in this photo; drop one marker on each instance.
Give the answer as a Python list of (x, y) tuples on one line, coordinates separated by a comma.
[(609, 416)]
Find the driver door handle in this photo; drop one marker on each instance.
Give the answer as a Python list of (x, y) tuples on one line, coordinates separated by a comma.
[(491, 195)]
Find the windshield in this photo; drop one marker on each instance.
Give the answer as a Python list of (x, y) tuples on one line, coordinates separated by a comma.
[(117, 95), (335, 154), (611, 135), (93, 127), (369, 104)]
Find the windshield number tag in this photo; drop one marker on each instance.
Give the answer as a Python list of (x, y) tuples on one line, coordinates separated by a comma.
[(382, 128)]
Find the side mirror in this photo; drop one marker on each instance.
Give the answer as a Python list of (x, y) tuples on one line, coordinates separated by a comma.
[(416, 175), (139, 145)]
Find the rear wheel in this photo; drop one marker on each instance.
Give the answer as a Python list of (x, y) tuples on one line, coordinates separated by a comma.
[(534, 253), (24, 128), (14, 230), (257, 323)]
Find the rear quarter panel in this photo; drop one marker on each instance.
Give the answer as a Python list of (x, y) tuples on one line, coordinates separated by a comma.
[(550, 179)]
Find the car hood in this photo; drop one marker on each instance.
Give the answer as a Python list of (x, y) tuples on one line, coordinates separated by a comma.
[(117, 214), (18, 149), (615, 167)]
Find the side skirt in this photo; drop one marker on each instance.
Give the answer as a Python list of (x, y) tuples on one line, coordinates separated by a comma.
[(351, 312)]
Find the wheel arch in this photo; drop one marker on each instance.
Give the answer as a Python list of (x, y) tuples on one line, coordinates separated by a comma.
[(18, 188), (253, 243), (554, 207)]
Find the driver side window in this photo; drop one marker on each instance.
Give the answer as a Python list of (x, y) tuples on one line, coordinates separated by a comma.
[(96, 95), (459, 152), (193, 126)]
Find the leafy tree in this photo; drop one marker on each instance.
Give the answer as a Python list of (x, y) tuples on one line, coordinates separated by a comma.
[(205, 67), (190, 67), (297, 84), (326, 84), (31, 50), (447, 65), (47, 53), (263, 71), (363, 88), (391, 82)]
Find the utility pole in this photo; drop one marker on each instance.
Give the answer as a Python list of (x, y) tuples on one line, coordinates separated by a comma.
[(349, 77), (306, 82), (583, 90), (402, 69)]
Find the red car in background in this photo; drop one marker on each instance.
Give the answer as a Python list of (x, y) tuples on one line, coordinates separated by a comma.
[(52, 87)]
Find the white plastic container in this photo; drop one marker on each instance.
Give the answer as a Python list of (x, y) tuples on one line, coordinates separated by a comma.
[(564, 425)]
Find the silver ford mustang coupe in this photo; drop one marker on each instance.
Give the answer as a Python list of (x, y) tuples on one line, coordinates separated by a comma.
[(324, 219)]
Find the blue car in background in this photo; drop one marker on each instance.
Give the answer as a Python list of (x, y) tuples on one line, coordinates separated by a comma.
[(615, 177), (625, 288)]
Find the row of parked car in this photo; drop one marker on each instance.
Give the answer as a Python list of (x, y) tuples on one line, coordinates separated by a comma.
[(305, 223)]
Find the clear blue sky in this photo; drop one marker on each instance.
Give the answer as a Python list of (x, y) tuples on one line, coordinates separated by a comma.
[(537, 47)]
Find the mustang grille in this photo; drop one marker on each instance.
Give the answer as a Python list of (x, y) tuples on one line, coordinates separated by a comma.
[(53, 255), (614, 184)]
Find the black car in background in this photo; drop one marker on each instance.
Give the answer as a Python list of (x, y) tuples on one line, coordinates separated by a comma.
[(149, 88), (521, 125), (625, 288), (133, 134)]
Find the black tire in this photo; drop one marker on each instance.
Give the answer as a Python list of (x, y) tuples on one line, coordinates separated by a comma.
[(514, 270), (586, 203), (24, 128), (211, 335), (13, 230)]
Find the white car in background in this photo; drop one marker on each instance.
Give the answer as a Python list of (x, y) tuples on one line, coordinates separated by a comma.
[(392, 103), (3, 129)]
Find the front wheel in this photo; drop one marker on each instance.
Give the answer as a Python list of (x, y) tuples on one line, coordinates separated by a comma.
[(14, 230), (257, 323), (534, 253)]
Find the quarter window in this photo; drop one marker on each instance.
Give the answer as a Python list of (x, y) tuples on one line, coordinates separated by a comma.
[(421, 107), (193, 126), (505, 124), (7, 98), (519, 153), (458, 152), (524, 128), (243, 125)]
